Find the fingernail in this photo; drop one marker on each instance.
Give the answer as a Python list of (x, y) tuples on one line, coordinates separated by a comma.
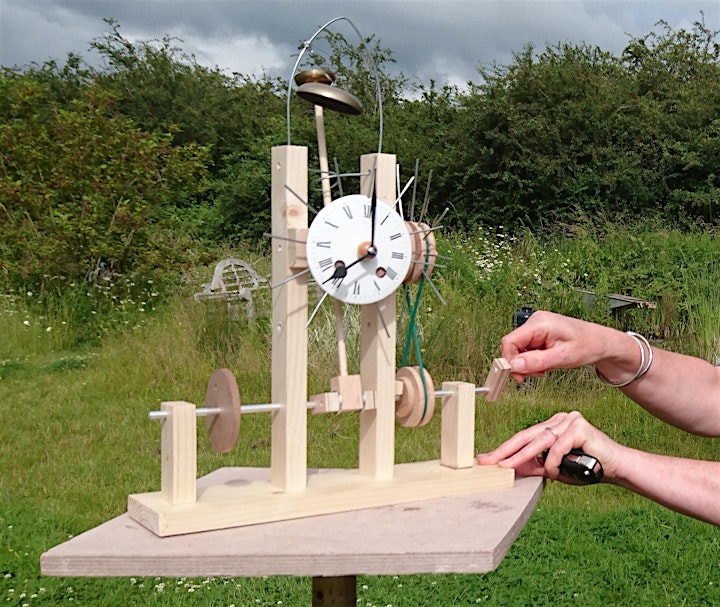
[(518, 365)]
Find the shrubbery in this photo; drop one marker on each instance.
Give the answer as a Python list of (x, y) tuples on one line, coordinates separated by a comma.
[(151, 163)]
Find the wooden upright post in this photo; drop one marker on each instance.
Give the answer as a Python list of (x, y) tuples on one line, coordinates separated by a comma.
[(377, 345), (178, 449), (457, 446), (289, 338)]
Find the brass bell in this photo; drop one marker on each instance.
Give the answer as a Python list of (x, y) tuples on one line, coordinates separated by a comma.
[(315, 86)]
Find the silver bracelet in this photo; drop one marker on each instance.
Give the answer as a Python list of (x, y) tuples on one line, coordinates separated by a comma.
[(645, 362)]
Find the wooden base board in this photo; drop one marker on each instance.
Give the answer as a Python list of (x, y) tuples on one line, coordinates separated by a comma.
[(247, 502)]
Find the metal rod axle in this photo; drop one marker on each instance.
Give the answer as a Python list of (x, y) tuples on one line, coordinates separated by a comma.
[(268, 407)]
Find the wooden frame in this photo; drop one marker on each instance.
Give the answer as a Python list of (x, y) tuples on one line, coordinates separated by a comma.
[(292, 492)]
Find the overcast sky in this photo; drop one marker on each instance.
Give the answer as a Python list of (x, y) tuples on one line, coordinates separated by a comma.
[(443, 40)]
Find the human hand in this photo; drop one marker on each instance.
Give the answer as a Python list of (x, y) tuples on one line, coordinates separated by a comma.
[(558, 436), (549, 341)]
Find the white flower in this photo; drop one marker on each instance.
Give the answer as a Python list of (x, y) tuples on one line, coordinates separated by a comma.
[(26, 323)]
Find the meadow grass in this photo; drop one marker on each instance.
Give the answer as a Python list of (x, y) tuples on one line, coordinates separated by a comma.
[(76, 439)]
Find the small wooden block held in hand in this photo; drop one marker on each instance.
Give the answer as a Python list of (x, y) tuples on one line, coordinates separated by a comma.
[(223, 428), (496, 379)]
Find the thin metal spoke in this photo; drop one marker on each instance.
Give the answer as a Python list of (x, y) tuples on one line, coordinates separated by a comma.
[(426, 201), (300, 198), (289, 278), (434, 288), (317, 307), (274, 236)]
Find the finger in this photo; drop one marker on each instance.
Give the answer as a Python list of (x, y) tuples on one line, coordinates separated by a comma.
[(527, 443), (529, 453)]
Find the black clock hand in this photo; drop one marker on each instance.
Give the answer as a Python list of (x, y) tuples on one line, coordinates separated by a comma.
[(339, 273), (341, 269), (373, 209), (359, 259)]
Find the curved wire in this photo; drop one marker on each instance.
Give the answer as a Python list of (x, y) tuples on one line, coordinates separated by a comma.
[(368, 56)]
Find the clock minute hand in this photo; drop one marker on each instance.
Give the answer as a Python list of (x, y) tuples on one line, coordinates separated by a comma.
[(373, 210)]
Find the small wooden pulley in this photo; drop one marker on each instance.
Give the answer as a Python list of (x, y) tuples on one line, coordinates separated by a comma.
[(417, 401), (424, 251)]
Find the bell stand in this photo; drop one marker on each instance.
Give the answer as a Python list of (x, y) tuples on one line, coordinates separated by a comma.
[(292, 491)]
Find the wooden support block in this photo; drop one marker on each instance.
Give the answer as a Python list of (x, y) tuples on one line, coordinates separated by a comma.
[(327, 402), (496, 379), (457, 447), (179, 453), (297, 255), (289, 305), (242, 502), (349, 389)]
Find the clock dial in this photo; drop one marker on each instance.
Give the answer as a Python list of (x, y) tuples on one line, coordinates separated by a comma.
[(353, 260)]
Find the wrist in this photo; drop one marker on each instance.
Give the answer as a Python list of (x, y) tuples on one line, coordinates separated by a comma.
[(628, 357)]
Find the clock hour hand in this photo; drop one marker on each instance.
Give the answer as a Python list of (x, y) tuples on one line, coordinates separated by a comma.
[(341, 269), (339, 273)]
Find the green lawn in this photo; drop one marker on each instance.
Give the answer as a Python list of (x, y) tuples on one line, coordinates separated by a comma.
[(76, 441)]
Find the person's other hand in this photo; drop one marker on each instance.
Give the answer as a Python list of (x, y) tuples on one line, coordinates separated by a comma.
[(558, 435)]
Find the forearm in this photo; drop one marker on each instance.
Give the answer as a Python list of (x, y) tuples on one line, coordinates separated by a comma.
[(687, 486), (681, 390)]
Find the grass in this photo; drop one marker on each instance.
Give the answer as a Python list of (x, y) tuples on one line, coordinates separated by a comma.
[(75, 439)]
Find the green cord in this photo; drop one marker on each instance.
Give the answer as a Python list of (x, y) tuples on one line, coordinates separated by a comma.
[(412, 334)]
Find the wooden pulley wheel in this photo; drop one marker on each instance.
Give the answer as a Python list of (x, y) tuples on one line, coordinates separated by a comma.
[(330, 97), (424, 251), (316, 74), (222, 393), (417, 402)]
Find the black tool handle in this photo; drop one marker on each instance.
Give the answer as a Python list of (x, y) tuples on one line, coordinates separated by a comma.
[(579, 466)]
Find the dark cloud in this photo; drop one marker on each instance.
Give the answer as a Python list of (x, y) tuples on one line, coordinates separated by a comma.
[(440, 40)]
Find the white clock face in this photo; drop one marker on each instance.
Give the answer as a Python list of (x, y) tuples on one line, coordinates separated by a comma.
[(349, 260)]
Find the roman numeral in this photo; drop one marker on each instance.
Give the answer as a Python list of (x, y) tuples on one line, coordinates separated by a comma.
[(356, 288), (323, 244), (348, 212), (395, 236), (390, 273), (332, 225), (368, 213), (325, 263), (397, 255)]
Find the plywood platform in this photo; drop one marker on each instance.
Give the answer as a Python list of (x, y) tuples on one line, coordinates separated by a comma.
[(463, 534), (242, 498)]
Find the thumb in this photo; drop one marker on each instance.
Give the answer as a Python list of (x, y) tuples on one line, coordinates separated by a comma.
[(533, 362)]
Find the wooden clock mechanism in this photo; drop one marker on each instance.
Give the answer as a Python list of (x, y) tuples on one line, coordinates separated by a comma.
[(359, 250)]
